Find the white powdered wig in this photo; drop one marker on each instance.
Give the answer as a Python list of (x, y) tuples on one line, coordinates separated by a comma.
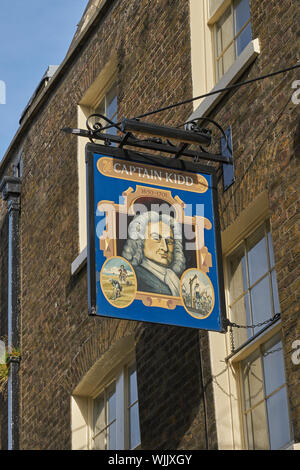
[(133, 250)]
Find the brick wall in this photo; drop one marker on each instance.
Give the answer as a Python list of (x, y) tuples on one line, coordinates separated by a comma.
[(59, 342)]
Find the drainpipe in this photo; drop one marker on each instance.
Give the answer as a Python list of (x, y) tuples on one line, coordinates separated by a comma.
[(10, 187)]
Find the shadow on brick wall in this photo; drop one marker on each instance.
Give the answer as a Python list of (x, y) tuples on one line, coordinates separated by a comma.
[(170, 389)]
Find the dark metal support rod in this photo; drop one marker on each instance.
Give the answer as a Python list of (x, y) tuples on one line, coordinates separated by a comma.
[(150, 145), (180, 135)]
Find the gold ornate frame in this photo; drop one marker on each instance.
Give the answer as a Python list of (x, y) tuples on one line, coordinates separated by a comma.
[(108, 239)]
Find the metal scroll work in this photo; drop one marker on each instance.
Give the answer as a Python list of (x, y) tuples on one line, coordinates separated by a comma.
[(175, 142)]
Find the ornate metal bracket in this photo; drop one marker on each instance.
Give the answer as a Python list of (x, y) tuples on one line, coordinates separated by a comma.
[(97, 129), (192, 134), (193, 125)]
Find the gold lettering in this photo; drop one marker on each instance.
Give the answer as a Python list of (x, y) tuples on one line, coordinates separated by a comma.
[(168, 178), (131, 169), (115, 167), (158, 176), (124, 170)]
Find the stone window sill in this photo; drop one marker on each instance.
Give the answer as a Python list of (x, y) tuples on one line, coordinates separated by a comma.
[(243, 61), (79, 262)]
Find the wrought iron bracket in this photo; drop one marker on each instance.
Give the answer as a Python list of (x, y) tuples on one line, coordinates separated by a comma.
[(191, 135)]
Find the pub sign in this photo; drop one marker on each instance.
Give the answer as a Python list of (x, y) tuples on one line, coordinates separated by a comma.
[(153, 240)]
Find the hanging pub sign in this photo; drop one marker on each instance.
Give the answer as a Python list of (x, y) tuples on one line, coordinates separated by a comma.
[(153, 240)]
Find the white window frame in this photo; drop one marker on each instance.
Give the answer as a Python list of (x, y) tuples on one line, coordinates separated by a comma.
[(87, 106), (212, 22), (267, 274), (224, 366), (202, 57), (121, 378), (105, 103), (234, 364), (256, 341), (111, 365)]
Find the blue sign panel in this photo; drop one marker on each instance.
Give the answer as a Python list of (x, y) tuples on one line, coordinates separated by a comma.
[(154, 240)]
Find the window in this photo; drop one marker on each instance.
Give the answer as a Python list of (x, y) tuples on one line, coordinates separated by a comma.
[(253, 295), (222, 48), (100, 98), (108, 108), (115, 414), (213, 5), (104, 404), (232, 33), (105, 420), (264, 397), (253, 298), (133, 409)]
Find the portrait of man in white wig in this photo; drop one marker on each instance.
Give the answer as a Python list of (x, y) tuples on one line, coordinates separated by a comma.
[(155, 250)]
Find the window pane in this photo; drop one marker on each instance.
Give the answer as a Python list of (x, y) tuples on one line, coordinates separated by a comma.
[(228, 58), (112, 109), (242, 13), (108, 107), (252, 380), (213, 5), (257, 255), (237, 274), (278, 419), (261, 303), (134, 425), (249, 431), (219, 68), (112, 437), (111, 399), (219, 47), (226, 26), (100, 441), (260, 428), (99, 414), (271, 251), (275, 292), (133, 394), (273, 365), (240, 314), (243, 39)]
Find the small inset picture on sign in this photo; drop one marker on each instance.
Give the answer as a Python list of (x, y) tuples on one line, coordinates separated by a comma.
[(118, 282), (197, 293)]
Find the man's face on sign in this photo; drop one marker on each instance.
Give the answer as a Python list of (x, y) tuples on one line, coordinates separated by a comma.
[(159, 243)]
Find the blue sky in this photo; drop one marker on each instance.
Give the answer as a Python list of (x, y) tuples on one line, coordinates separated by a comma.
[(33, 35)]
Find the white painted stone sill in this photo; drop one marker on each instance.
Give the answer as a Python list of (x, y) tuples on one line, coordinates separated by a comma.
[(243, 61), (79, 262)]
